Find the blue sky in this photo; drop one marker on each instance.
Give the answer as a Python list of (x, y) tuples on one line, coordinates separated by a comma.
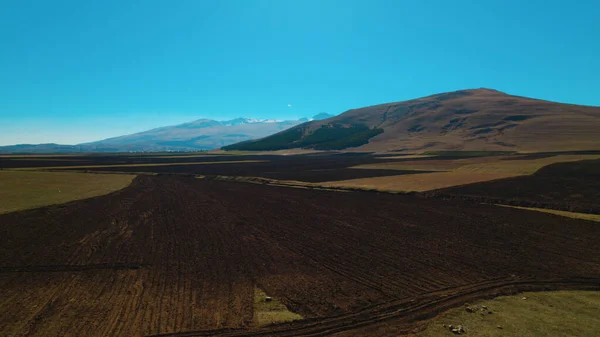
[(82, 70)]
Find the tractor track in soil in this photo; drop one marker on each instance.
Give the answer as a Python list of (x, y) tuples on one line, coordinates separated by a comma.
[(409, 312)]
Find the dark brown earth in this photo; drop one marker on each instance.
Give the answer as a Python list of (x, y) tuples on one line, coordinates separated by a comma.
[(571, 187), (307, 168), (175, 254), (318, 167)]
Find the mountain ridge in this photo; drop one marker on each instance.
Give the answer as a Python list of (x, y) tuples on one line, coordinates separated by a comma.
[(196, 135), (470, 119)]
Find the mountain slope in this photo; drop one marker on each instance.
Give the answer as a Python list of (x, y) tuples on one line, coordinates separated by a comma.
[(480, 119), (202, 134)]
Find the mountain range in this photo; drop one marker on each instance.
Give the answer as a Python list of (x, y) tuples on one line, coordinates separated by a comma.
[(202, 134), (475, 119)]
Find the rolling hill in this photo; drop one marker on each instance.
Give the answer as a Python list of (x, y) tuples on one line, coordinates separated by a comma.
[(202, 134), (478, 119)]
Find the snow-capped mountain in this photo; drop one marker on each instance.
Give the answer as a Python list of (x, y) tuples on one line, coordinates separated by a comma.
[(201, 134)]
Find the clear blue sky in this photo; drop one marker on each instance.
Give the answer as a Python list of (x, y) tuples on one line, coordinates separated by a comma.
[(83, 70)]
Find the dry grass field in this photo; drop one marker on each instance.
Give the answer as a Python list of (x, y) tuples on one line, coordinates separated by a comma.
[(572, 187), (522, 166), (23, 190), (454, 172), (431, 164), (418, 182), (573, 215), (540, 314), (516, 165)]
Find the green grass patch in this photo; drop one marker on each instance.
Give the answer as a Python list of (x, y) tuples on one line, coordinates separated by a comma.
[(559, 313), (273, 311), (27, 189)]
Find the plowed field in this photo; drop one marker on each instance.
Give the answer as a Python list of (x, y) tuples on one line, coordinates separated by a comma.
[(571, 187), (177, 255)]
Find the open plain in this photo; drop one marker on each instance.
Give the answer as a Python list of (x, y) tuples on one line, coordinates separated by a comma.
[(22, 190), (175, 255)]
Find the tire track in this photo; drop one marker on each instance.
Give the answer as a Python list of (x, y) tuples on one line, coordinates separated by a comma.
[(409, 312)]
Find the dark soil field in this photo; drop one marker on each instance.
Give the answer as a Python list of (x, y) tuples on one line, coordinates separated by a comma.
[(571, 187), (181, 256), (300, 162), (317, 160), (307, 168)]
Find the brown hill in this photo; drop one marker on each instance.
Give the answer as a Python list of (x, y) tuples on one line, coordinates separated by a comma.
[(479, 119)]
